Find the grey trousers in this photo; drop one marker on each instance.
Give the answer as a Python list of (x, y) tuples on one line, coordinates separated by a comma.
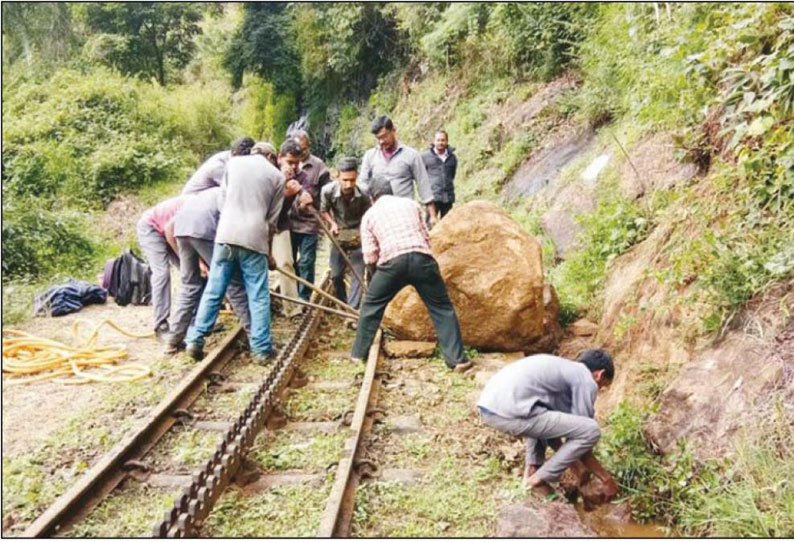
[(160, 256), (190, 250), (544, 426), (338, 267)]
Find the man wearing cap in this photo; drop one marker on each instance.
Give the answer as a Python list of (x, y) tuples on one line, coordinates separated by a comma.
[(211, 172), (394, 237), (304, 224), (400, 164), (342, 205), (251, 200)]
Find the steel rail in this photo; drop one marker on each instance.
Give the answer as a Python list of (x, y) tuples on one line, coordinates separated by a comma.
[(196, 501), (107, 473), (338, 514)]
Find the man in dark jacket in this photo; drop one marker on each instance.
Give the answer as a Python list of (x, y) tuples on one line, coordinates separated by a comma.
[(441, 164)]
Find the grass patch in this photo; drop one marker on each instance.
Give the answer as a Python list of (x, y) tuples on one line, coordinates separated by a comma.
[(221, 405), (131, 512), (450, 501), (283, 511), (313, 404), (287, 451)]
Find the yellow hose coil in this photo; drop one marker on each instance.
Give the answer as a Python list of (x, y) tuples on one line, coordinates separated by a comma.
[(44, 359)]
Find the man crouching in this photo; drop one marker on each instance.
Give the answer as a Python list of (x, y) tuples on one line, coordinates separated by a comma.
[(546, 399)]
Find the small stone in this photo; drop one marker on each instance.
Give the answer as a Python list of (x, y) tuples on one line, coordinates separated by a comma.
[(405, 424), (402, 476), (584, 328), (443, 525), (409, 349)]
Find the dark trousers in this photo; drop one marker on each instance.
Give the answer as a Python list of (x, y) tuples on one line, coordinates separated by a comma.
[(420, 271), (304, 253), (441, 210)]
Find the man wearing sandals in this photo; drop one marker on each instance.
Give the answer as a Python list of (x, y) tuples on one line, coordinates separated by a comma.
[(546, 399)]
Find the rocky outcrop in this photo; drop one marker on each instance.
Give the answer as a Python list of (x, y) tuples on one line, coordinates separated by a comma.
[(494, 274), (537, 519), (733, 385)]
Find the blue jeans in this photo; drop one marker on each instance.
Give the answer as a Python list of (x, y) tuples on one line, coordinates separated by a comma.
[(254, 269), (304, 253)]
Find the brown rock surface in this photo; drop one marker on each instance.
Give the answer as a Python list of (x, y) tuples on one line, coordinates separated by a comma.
[(732, 385), (409, 349), (537, 519), (494, 275), (584, 328)]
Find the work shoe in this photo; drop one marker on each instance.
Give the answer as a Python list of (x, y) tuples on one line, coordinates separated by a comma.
[(463, 367), (266, 359), (173, 344), (195, 351), (162, 333), (356, 360)]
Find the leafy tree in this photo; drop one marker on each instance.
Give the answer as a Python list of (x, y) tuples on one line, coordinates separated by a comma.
[(265, 46), (345, 47), (36, 29), (143, 38)]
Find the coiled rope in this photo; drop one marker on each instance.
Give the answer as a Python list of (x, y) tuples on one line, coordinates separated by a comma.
[(26, 354)]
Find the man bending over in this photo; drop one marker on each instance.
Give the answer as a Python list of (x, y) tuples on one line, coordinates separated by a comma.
[(546, 398)]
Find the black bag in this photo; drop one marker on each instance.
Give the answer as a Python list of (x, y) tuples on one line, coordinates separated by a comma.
[(130, 280)]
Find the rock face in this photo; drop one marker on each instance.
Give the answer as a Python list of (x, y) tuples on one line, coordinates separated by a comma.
[(541, 520), (732, 385), (584, 328), (494, 274)]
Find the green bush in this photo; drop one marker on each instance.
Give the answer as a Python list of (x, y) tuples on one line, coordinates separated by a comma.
[(86, 137), (616, 225), (747, 495), (657, 488), (38, 242)]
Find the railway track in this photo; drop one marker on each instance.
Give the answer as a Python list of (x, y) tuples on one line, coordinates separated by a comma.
[(135, 459)]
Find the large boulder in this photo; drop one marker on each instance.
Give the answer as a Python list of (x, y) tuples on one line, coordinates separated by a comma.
[(494, 274)]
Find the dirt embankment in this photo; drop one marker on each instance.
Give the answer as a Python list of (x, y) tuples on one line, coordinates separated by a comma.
[(707, 390)]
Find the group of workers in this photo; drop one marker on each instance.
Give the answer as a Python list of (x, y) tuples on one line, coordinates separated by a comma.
[(254, 209)]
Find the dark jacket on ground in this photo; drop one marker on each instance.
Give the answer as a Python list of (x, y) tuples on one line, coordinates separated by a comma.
[(441, 174)]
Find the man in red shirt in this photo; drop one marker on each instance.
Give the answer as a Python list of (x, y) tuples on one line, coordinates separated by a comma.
[(394, 237)]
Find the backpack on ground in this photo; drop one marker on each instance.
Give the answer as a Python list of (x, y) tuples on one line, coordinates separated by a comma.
[(128, 279)]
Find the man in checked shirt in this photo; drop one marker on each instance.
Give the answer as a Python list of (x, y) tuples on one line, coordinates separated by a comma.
[(394, 237)]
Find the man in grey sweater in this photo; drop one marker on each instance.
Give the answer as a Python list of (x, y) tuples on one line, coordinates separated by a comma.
[(400, 164), (210, 173), (251, 199), (546, 398), (195, 225)]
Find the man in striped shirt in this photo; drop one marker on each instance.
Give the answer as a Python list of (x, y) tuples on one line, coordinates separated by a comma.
[(395, 239)]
